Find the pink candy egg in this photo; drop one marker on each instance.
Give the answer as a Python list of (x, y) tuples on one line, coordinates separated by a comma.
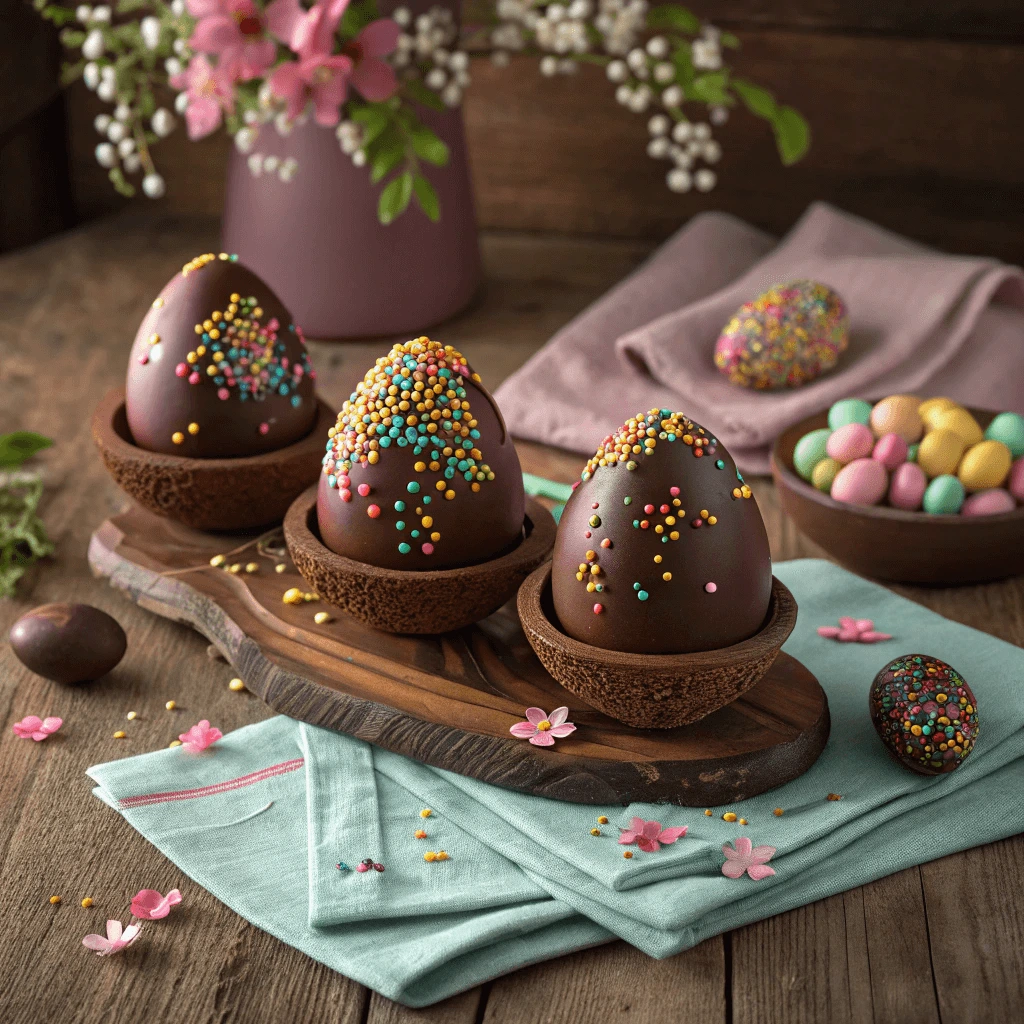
[(850, 442), (1015, 484), (988, 503), (908, 484), (891, 451), (862, 482)]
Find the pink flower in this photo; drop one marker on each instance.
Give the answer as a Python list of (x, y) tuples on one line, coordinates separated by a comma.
[(373, 77), (649, 835), (116, 939), (149, 905), (209, 92), (747, 858), (199, 737), (541, 729), (235, 31), (320, 78), (32, 727), (853, 631), (306, 32)]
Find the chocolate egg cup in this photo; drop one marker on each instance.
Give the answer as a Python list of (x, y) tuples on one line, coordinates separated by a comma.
[(652, 691), (396, 601), (209, 494)]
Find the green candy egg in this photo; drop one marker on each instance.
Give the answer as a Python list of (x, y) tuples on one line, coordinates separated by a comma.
[(809, 451), (912, 453), (1008, 427), (849, 410), (944, 496), (824, 473)]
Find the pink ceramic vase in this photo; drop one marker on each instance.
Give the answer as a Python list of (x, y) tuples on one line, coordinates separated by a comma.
[(317, 242)]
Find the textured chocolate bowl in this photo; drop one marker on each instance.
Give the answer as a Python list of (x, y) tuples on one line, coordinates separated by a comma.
[(891, 543), (652, 691), (209, 494), (404, 601)]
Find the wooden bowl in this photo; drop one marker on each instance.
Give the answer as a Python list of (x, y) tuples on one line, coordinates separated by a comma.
[(652, 691), (398, 601), (209, 494), (894, 545)]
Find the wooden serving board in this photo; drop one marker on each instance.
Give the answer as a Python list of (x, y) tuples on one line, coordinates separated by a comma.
[(449, 700)]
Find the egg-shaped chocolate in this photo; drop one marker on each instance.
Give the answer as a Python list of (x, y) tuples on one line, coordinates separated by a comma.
[(218, 369), (420, 471), (925, 713), (786, 337), (68, 643), (661, 548)]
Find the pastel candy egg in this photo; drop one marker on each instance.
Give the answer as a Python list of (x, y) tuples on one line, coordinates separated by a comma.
[(1015, 485), (988, 503), (939, 452), (930, 410), (898, 414), (912, 453), (1007, 427), (891, 451), (810, 450), (824, 473), (853, 441), (863, 482), (944, 496), (849, 410), (784, 338), (924, 713), (985, 465), (961, 422), (907, 487)]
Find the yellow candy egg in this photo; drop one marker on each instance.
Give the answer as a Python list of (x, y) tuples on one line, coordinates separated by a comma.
[(939, 452), (933, 408), (985, 465), (824, 473), (961, 422), (898, 414)]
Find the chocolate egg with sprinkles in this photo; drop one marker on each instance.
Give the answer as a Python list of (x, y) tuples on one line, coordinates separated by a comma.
[(786, 337), (218, 368), (661, 548), (925, 713), (420, 471)]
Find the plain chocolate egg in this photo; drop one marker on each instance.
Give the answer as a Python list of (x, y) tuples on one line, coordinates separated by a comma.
[(69, 643)]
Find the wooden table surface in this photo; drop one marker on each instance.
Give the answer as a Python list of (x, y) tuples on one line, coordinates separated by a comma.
[(943, 942)]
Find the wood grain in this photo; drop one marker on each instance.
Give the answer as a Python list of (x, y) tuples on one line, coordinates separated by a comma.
[(68, 311)]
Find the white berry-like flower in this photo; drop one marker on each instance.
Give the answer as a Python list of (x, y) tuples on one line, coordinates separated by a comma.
[(93, 47), (623, 95), (245, 139), (255, 164), (549, 65), (126, 147), (359, 157), (459, 61), (617, 71), (401, 16), (436, 79), (719, 115), (102, 123), (179, 46), (640, 100), (288, 168), (712, 152), (181, 102), (115, 131), (681, 158), (567, 66), (153, 185), (694, 148), (659, 125), (705, 179), (162, 122), (657, 46), (664, 73), (659, 148), (679, 180), (149, 29), (499, 58), (283, 124), (172, 66), (672, 96), (451, 95), (91, 75), (636, 59), (101, 14), (132, 163), (555, 12), (579, 9), (682, 132), (251, 117), (122, 112), (83, 13), (106, 90), (706, 54), (106, 155), (177, 8), (270, 163), (702, 132)]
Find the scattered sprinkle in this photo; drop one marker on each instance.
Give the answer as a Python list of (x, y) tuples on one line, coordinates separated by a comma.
[(729, 816), (743, 821), (131, 716), (419, 834), (321, 617), (174, 743), (170, 705), (217, 561), (707, 813), (595, 832), (602, 820), (55, 900), (833, 797), (280, 567), (426, 812), (251, 567), (778, 812), (292, 596), (627, 854), (120, 734), (236, 684), (87, 902)]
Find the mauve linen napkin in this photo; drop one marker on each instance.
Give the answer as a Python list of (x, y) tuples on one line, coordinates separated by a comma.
[(921, 322)]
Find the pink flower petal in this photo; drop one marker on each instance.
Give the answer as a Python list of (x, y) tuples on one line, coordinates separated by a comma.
[(149, 905), (871, 637), (759, 871), (558, 716), (864, 625), (97, 943), (670, 835), (848, 636), (202, 117), (536, 715), (651, 829), (283, 18), (204, 8), (523, 730), (379, 38), (743, 846), (30, 723), (543, 739), (647, 844), (214, 34), (51, 725), (762, 853), (626, 837), (733, 868), (845, 622), (114, 930), (561, 731), (374, 80), (637, 824), (829, 632)]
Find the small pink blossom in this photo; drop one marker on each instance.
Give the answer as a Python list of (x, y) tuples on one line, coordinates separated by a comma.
[(32, 727), (541, 729), (372, 76), (747, 858), (235, 31), (149, 905), (320, 79), (852, 630), (649, 835), (209, 91), (199, 737), (117, 938)]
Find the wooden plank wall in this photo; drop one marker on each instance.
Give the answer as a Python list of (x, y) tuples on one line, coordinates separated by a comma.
[(915, 109)]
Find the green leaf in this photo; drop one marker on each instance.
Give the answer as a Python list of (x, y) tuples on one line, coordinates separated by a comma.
[(120, 183), (710, 88), (427, 146), (23, 537), (21, 445), (426, 197), (729, 41), (673, 16), (417, 91), (792, 135), (757, 100), (394, 200), (385, 159), (356, 18)]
